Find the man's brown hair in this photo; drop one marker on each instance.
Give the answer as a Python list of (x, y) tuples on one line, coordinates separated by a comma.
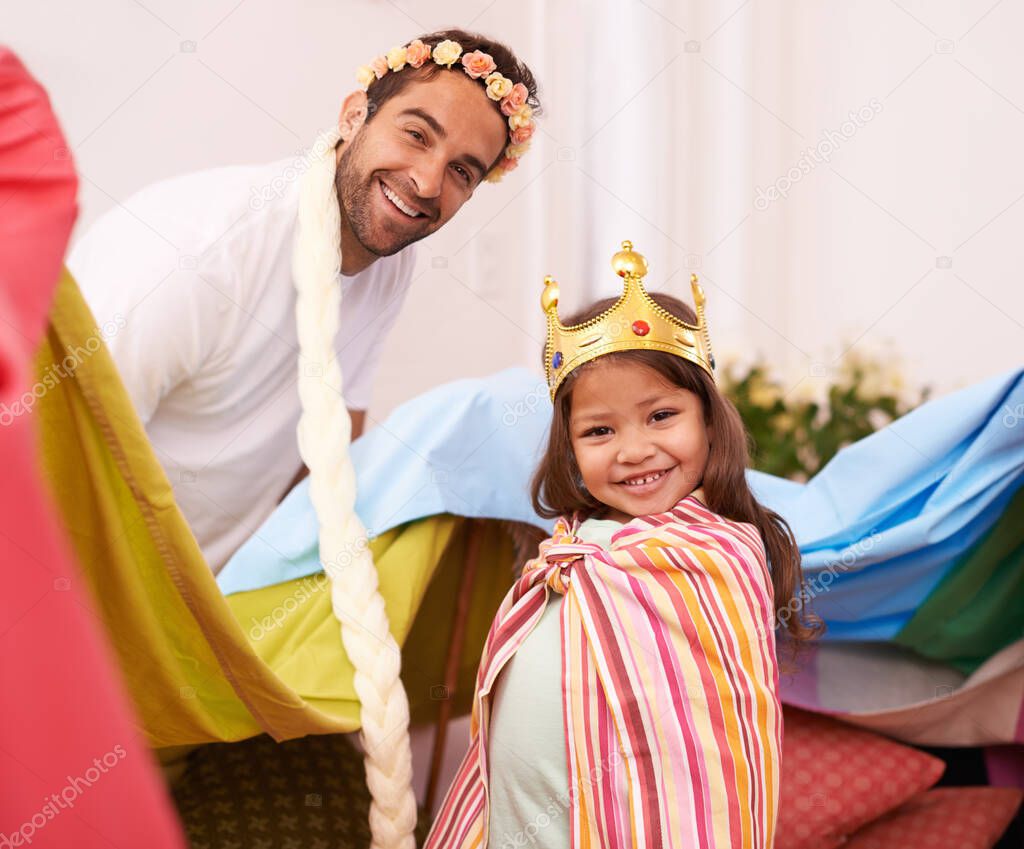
[(508, 65)]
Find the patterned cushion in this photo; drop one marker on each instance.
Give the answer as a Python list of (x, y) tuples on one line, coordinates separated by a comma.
[(257, 794), (946, 817), (836, 778)]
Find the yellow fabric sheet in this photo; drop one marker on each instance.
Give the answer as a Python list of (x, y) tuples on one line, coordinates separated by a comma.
[(196, 665)]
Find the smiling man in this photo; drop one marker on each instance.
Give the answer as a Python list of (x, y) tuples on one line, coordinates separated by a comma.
[(199, 270), (404, 174)]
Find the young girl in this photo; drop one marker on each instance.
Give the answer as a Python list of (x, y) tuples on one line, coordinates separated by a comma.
[(627, 695)]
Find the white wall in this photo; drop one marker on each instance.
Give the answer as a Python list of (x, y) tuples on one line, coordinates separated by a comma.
[(663, 119)]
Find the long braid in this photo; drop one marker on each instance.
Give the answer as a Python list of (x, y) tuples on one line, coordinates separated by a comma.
[(324, 433)]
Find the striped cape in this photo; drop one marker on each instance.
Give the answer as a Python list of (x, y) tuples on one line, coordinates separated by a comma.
[(669, 686)]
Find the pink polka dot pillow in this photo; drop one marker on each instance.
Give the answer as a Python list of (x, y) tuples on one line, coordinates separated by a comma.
[(955, 817), (837, 778)]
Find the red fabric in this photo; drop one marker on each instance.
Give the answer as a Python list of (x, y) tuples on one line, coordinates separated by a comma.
[(73, 769), (837, 778), (943, 818)]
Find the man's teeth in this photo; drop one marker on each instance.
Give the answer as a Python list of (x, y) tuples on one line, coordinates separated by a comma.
[(639, 481), (397, 201)]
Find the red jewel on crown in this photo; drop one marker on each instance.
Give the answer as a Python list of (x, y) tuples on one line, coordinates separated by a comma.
[(641, 328)]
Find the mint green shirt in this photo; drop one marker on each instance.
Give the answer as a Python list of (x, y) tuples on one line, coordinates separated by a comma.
[(528, 770)]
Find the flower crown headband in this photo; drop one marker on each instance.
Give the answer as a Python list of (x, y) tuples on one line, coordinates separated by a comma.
[(510, 97)]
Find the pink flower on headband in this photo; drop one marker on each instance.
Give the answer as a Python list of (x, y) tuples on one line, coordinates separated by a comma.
[(508, 164), (417, 53), (521, 135), (478, 64), (515, 100), (379, 66)]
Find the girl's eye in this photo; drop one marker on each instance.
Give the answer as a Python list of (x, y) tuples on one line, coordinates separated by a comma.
[(662, 415), (598, 431)]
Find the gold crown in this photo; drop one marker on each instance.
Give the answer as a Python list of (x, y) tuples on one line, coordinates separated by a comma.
[(634, 322)]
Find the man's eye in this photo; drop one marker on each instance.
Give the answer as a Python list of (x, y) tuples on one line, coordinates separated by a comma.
[(415, 134), (463, 173)]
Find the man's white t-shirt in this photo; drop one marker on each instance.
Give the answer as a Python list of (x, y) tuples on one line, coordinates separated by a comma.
[(200, 269)]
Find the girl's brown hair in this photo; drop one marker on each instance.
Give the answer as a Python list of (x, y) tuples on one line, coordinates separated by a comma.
[(557, 488)]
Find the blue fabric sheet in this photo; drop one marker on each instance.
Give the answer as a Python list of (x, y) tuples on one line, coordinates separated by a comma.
[(878, 527)]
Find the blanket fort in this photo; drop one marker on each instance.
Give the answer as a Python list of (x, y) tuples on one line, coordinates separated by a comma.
[(916, 568)]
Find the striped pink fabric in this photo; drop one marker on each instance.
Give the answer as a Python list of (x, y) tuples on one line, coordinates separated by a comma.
[(669, 687)]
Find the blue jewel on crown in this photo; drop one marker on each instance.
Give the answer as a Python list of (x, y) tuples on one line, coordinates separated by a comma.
[(556, 361)]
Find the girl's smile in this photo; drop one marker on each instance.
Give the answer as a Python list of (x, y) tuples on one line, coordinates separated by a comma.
[(646, 483), (640, 442)]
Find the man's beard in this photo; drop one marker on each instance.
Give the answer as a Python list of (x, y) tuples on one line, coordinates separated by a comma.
[(356, 201)]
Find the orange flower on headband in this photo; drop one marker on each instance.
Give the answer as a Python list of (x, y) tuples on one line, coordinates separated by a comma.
[(478, 64), (417, 53), (521, 135)]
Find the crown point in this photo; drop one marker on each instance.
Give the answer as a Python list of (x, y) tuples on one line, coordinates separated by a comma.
[(698, 291), (549, 297), (629, 263)]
